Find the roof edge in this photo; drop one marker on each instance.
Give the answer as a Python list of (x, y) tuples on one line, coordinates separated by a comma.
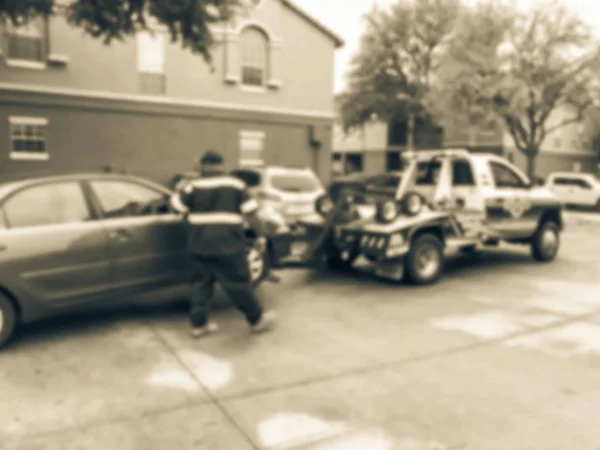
[(338, 41)]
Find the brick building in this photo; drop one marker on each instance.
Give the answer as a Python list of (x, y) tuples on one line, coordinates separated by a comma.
[(145, 105)]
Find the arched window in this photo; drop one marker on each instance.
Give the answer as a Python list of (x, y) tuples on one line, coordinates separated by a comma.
[(254, 57)]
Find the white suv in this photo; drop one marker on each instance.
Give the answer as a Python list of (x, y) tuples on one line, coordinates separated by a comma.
[(575, 189), (292, 192)]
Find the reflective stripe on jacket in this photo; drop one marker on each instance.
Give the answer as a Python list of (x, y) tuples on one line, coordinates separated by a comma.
[(215, 207)]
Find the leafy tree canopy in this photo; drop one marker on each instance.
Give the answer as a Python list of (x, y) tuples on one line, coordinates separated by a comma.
[(534, 72), (486, 63), (188, 21), (400, 53)]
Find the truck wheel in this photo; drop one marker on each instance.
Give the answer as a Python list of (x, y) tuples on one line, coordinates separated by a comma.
[(546, 242), (8, 320), (425, 261)]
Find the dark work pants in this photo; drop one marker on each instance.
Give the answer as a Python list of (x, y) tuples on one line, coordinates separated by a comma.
[(233, 273)]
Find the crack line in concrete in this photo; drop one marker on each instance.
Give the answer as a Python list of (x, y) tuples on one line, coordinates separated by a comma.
[(213, 399)]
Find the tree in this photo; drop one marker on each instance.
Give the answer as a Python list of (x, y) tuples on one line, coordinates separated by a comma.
[(397, 62), (532, 72), (591, 131), (188, 21)]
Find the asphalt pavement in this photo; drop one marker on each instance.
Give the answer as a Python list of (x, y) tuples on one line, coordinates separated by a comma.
[(502, 354)]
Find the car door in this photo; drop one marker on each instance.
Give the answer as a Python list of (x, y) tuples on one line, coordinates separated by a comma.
[(146, 238), (509, 208), (584, 193), (467, 197), (53, 251)]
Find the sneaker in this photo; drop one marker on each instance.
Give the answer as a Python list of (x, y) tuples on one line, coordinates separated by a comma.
[(265, 323), (210, 327)]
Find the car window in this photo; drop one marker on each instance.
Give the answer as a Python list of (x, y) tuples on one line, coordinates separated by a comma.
[(462, 174), (428, 173), (295, 182), (126, 199), (584, 184), (505, 177), (561, 181), (250, 177), (47, 204)]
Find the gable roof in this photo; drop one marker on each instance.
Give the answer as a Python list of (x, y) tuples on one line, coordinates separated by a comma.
[(338, 41)]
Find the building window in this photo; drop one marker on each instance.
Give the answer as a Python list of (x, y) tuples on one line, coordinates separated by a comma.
[(354, 163), (28, 138), (254, 57), (337, 164), (151, 63), (26, 44), (252, 147), (393, 161)]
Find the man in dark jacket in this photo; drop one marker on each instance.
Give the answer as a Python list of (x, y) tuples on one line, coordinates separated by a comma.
[(216, 206)]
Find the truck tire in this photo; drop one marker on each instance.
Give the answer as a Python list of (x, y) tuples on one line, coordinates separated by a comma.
[(425, 260), (8, 319), (546, 242)]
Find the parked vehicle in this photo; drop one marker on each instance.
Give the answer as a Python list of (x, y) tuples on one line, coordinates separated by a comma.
[(576, 189), (291, 192), (79, 241), (405, 221)]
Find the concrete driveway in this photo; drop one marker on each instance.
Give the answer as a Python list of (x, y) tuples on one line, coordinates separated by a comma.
[(504, 354)]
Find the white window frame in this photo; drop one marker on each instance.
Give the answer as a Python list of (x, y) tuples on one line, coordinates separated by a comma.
[(159, 35), (30, 30), (23, 155), (250, 162), (266, 64)]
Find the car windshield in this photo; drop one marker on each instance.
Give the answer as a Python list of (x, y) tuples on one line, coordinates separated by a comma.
[(297, 182)]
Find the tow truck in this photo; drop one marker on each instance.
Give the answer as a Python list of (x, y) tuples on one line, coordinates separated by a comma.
[(406, 222)]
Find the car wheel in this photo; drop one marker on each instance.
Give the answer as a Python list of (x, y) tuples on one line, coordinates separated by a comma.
[(546, 242), (425, 261), (259, 264), (8, 320)]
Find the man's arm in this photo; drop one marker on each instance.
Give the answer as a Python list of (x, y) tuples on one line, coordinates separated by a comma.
[(249, 209), (180, 200)]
